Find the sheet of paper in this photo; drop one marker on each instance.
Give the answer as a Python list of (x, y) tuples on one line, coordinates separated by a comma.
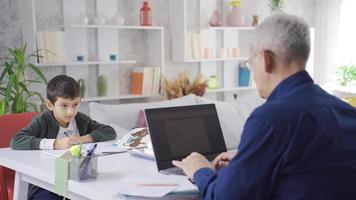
[(156, 185), (54, 153)]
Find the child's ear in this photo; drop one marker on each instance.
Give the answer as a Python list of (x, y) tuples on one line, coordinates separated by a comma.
[(49, 105)]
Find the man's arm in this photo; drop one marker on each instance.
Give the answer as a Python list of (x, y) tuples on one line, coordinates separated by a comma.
[(251, 174)]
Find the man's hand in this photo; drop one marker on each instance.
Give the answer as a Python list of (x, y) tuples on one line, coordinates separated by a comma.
[(223, 159), (67, 142), (192, 163)]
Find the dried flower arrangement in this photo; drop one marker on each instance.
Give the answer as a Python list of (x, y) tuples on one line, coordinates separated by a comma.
[(182, 86)]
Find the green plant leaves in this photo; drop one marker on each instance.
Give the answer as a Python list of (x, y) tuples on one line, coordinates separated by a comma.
[(14, 82), (347, 74)]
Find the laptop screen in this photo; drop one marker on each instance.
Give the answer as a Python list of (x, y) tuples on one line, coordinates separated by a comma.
[(178, 131)]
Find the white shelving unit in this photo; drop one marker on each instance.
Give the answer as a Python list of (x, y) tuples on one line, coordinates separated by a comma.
[(214, 38), (106, 41)]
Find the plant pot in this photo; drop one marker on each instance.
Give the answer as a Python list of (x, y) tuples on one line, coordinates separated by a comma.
[(236, 17)]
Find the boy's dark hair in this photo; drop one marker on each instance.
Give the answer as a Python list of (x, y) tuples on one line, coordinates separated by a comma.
[(62, 86)]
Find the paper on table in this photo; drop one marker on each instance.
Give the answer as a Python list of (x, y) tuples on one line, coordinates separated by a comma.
[(156, 185), (54, 153)]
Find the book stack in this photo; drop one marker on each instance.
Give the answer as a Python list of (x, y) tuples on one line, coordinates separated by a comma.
[(145, 80), (51, 47), (194, 49)]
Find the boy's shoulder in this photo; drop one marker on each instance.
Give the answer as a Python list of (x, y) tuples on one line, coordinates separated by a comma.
[(82, 118)]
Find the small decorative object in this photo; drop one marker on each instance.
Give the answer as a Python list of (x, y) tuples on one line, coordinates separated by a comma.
[(236, 16), (215, 19), (145, 15), (236, 52), (80, 58), (102, 85), (113, 57), (81, 84), (208, 53), (100, 20), (229, 52), (83, 19), (222, 53), (213, 82), (182, 86), (117, 19), (244, 76), (255, 19), (276, 5)]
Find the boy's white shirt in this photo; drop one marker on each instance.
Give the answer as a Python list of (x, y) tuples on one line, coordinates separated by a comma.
[(71, 130)]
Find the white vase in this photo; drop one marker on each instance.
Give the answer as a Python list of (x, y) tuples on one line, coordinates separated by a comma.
[(83, 19), (117, 19), (100, 20)]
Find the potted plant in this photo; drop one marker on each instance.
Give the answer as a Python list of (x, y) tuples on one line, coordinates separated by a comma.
[(14, 82), (276, 5), (347, 74)]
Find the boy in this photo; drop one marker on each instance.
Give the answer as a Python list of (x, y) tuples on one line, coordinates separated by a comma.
[(60, 127)]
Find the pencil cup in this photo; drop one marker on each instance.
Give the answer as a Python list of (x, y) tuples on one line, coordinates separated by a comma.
[(84, 169)]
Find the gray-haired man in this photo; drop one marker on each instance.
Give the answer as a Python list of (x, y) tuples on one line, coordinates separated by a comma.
[(300, 144)]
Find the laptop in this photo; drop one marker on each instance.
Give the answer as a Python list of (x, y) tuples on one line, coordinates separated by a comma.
[(177, 131)]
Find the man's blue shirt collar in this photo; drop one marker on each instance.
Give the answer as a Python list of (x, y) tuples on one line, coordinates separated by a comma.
[(287, 84)]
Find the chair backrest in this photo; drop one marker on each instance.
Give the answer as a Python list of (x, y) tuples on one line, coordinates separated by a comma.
[(10, 124)]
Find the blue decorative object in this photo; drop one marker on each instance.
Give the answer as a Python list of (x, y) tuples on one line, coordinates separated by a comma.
[(244, 77), (80, 58), (113, 57)]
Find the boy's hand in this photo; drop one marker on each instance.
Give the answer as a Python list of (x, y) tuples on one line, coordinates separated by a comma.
[(68, 142)]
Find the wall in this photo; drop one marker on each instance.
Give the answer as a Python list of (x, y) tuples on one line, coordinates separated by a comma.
[(10, 30)]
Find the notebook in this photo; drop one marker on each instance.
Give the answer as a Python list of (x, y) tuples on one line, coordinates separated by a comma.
[(177, 131)]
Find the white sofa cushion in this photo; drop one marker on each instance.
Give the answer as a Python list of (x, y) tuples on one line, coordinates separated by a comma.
[(232, 117), (123, 117)]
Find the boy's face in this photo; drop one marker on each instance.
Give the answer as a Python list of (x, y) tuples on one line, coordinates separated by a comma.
[(64, 110)]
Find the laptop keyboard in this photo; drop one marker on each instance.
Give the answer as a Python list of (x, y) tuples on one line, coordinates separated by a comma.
[(173, 170)]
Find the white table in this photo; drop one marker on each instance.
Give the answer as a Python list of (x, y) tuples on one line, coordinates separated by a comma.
[(39, 169)]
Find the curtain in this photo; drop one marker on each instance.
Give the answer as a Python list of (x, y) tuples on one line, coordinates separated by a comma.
[(326, 39)]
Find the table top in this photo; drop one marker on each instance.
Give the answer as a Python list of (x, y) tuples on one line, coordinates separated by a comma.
[(111, 169)]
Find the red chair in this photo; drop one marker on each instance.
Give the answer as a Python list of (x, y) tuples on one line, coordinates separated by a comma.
[(10, 124)]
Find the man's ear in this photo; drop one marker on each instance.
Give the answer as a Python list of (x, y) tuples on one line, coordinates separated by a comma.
[(269, 61), (49, 105)]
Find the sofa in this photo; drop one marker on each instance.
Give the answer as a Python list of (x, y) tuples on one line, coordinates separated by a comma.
[(124, 117)]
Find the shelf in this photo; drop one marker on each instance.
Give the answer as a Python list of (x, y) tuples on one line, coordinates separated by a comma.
[(232, 28), (128, 96), (88, 63), (115, 27), (218, 59), (230, 89)]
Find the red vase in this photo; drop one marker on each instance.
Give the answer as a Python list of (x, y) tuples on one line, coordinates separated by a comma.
[(145, 15)]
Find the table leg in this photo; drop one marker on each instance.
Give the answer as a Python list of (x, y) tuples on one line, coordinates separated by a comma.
[(20, 187)]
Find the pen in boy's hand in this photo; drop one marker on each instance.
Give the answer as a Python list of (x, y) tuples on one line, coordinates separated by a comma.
[(65, 133)]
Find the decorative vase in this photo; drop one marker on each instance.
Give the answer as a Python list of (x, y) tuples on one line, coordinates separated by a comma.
[(254, 20), (145, 15), (213, 82), (215, 19), (236, 17), (102, 85), (117, 19), (83, 19), (81, 84), (100, 20)]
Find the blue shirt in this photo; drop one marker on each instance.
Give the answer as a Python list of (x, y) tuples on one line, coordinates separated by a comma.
[(300, 144)]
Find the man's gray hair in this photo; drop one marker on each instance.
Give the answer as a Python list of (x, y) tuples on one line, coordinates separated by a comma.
[(285, 35)]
